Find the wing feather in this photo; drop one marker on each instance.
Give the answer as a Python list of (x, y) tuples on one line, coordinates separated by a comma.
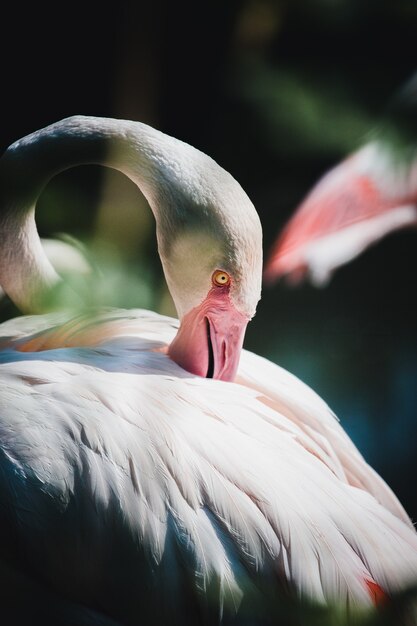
[(189, 488)]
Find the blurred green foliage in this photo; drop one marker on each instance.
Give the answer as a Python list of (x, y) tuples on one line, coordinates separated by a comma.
[(296, 112)]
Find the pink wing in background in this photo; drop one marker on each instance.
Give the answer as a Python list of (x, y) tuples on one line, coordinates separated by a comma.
[(361, 200)]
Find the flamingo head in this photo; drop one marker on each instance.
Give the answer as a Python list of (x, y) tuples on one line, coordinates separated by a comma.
[(211, 333), (212, 258)]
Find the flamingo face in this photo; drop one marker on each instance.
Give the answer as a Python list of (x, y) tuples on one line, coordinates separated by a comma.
[(210, 337), (215, 281)]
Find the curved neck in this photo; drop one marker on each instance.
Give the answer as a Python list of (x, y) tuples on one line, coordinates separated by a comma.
[(144, 154)]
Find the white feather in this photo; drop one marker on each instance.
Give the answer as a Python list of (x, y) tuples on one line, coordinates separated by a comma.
[(232, 483)]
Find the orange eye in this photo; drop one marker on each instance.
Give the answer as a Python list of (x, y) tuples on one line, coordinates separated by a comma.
[(220, 278)]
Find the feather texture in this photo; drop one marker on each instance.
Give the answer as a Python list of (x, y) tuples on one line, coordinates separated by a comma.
[(139, 489)]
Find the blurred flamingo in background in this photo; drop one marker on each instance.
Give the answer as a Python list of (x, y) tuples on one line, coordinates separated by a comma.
[(369, 195), (145, 475)]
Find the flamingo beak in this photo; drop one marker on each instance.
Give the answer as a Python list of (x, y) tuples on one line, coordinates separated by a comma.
[(210, 338)]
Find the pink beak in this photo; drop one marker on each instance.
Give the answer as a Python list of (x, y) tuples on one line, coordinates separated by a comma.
[(210, 337)]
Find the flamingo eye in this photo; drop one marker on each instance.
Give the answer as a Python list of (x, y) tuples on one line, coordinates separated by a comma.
[(220, 278)]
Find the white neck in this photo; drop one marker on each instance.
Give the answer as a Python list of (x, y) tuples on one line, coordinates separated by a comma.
[(148, 157)]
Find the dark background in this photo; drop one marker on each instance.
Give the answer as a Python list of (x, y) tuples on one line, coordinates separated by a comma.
[(277, 92)]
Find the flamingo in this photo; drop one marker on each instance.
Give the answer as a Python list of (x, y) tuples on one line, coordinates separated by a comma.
[(148, 476), (370, 194)]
